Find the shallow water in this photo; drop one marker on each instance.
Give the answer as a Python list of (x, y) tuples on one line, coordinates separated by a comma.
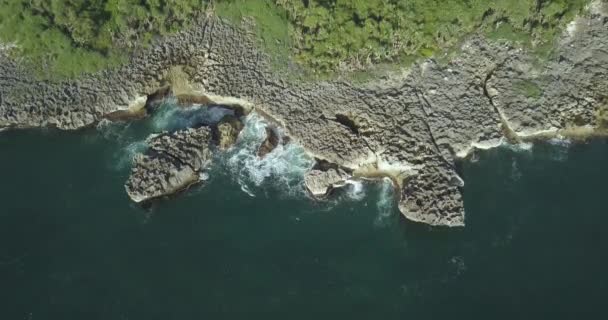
[(72, 246)]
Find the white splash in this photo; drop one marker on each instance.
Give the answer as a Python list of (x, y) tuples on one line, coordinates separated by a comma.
[(355, 190), (560, 142), (284, 166), (385, 203), (520, 147), (485, 145)]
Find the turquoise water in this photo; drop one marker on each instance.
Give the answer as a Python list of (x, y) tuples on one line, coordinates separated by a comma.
[(72, 246)]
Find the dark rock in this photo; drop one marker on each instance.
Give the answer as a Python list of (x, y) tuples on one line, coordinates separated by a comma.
[(270, 143)]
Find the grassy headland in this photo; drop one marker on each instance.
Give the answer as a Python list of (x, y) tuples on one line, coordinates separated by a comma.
[(63, 38)]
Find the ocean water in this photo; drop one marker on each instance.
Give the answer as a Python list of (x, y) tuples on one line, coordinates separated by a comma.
[(248, 244)]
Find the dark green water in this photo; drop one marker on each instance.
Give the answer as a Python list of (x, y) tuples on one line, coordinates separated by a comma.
[(72, 246)]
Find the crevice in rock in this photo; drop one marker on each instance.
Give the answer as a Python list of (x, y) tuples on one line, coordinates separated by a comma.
[(352, 126), (508, 132), (270, 143), (424, 101), (324, 165), (156, 98), (154, 153), (347, 122)]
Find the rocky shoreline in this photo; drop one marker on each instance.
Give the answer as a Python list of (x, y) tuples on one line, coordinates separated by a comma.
[(410, 126)]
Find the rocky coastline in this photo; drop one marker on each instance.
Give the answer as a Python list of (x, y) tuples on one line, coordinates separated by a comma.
[(411, 126)]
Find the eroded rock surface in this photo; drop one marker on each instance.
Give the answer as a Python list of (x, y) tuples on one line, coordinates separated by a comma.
[(172, 162), (319, 183), (421, 120), (227, 132)]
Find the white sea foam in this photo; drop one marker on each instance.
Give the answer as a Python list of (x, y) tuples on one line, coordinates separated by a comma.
[(560, 148), (520, 147), (560, 142), (124, 158), (170, 116), (164, 115), (113, 130), (385, 203), (121, 133), (284, 167), (485, 145), (355, 190)]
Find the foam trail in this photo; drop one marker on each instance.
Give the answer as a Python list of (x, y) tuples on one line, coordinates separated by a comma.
[(515, 171), (284, 167), (123, 134), (385, 203), (559, 149), (114, 131), (170, 116), (125, 156), (521, 147), (355, 190)]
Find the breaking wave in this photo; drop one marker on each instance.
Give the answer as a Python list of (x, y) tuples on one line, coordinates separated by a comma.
[(284, 167)]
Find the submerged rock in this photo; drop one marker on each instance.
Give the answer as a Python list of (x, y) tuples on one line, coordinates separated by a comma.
[(173, 162)]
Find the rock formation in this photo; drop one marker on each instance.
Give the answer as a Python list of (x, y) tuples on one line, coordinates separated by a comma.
[(270, 143), (172, 162), (227, 131), (412, 125), (320, 183)]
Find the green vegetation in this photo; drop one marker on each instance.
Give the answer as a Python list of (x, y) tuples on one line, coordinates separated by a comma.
[(270, 22), (329, 34), (67, 37), (529, 88)]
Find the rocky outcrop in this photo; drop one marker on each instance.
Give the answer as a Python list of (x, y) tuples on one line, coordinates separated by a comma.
[(227, 132), (320, 183), (172, 162), (270, 143), (433, 195), (411, 125)]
